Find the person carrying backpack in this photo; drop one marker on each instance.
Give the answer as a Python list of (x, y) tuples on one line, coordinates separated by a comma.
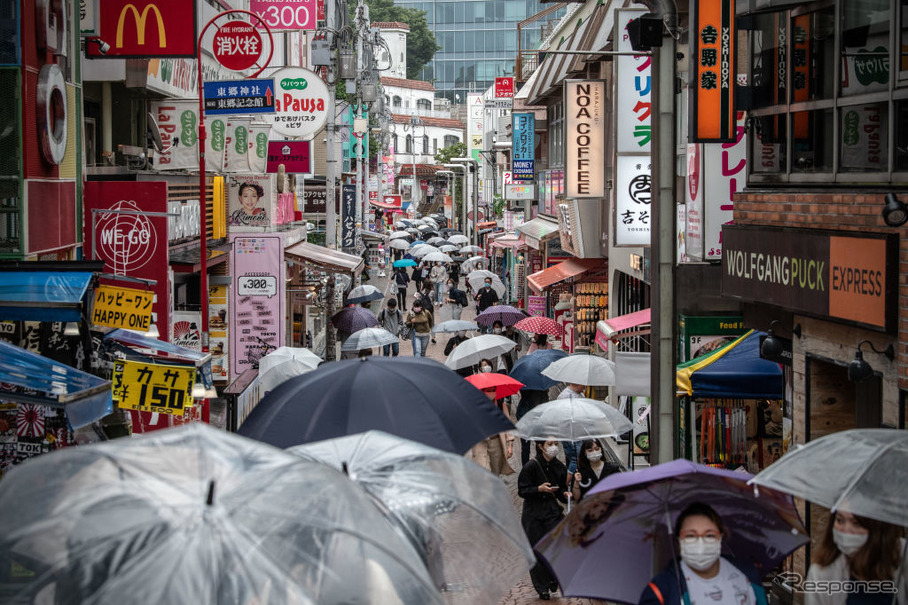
[(392, 320), (457, 298)]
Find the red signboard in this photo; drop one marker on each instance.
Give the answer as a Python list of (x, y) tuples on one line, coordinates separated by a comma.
[(280, 15), (237, 46), (294, 155), (394, 200), (145, 29), (504, 88)]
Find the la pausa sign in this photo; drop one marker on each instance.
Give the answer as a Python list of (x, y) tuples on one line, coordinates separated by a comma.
[(300, 102), (835, 275)]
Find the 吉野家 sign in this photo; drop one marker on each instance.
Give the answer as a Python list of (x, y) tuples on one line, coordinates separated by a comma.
[(239, 97), (151, 387), (294, 155), (712, 40), (584, 112), (145, 29), (122, 308), (523, 145)]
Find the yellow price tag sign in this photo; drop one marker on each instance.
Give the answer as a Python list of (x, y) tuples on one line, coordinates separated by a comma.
[(122, 308), (151, 387)]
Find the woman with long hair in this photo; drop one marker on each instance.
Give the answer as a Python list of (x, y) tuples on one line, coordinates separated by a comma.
[(592, 467)]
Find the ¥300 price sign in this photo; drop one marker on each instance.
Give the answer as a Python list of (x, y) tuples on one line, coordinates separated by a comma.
[(286, 14), (151, 387)]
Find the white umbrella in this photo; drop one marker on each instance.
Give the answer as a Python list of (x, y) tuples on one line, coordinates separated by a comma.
[(422, 249), (468, 249), (582, 368), (471, 351), (458, 238), (425, 227), (447, 248), (368, 338), (437, 257), (283, 364), (455, 325), (399, 244), (398, 234), (573, 419), (473, 263), (478, 277)]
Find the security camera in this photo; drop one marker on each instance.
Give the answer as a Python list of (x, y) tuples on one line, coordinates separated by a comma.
[(103, 47)]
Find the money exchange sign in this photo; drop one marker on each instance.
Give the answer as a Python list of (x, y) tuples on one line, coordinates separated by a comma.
[(150, 387)]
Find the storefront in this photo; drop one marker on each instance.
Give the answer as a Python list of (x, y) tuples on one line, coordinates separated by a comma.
[(508, 261), (536, 234)]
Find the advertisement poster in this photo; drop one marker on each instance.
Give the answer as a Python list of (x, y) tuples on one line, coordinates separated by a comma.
[(186, 330), (250, 200), (218, 333), (257, 305), (237, 144), (536, 305), (301, 103), (727, 162), (693, 195), (633, 115)]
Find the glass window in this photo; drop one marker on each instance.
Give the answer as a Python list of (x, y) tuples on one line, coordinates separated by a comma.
[(901, 136), (396, 102), (768, 59), (811, 138), (769, 145), (408, 143), (424, 104), (865, 138), (865, 46), (425, 144), (903, 53), (813, 56)]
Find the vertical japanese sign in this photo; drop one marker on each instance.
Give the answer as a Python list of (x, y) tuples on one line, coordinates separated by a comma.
[(257, 309), (633, 189), (726, 174), (218, 331), (800, 74), (474, 125), (522, 158), (584, 131), (712, 107), (348, 224)]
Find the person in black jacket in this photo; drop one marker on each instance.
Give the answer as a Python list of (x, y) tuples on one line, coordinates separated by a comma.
[(592, 467), (541, 484), (401, 279), (529, 399)]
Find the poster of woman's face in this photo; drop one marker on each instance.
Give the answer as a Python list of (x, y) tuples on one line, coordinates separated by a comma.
[(250, 201)]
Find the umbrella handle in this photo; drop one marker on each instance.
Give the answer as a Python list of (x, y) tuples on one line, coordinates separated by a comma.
[(569, 502)]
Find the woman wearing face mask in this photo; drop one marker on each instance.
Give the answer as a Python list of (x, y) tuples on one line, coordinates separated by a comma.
[(706, 576), (485, 365), (541, 484), (857, 548), (497, 327), (591, 467), (492, 454)]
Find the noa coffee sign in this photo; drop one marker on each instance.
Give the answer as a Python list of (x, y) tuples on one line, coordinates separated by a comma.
[(300, 102)]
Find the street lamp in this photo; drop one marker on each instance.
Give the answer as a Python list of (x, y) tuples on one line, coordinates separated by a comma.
[(475, 170), (463, 204)]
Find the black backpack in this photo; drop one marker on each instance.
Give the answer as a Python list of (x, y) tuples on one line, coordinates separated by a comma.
[(461, 298)]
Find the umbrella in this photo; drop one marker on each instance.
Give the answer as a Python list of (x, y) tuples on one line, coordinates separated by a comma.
[(538, 324), (284, 363), (478, 276), (613, 541), (448, 248), (423, 250), (582, 368), (437, 257), (353, 319), (473, 262), (198, 515), (424, 227), (504, 385), (862, 471), (364, 293), (506, 314), (457, 515), (417, 242), (412, 397), (469, 249), (399, 235), (399, 244), (471, 351), (455, 325), (573, 419), (368, 338), (435, 240), (528, 369), (407, 262), (457, 238)]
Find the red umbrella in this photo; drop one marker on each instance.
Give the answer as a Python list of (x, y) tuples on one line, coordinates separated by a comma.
[(503, 384), (540, 325)]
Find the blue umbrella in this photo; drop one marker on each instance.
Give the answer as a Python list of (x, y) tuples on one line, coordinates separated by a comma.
[(528, 369), (414, 398), (417, 242), (353, 319), (407, 262)]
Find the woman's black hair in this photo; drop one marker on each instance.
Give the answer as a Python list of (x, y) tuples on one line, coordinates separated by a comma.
[(258, 189), (541, 339), (498, 323), (699, 509)]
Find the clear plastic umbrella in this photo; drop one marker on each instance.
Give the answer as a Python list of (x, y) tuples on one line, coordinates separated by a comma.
[(398, 235), (471, 351), (573, 419), (364, 293), (448, 248), (198, 515), (422, 250), (469, 249), (437, 257), (477, 278), (457, 515), (399, 244), (473, 263), (368, 338), (458, 238), (582, 368), (455, 325), (283, 364)]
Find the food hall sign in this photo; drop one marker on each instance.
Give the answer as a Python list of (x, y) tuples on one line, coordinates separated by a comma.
[(584, 167), (841, 276)]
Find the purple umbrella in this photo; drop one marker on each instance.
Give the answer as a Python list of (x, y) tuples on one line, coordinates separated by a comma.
[(506, 314), (617, 538), (352, 319)]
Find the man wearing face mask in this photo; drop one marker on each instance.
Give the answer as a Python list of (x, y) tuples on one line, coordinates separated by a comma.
[(486, 297), (542, 486), (705, 576)]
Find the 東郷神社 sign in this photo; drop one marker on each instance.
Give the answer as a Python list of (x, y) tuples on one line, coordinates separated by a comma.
[(238, 97)]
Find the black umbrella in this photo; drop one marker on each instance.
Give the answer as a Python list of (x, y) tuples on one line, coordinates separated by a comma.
[(414, 398)]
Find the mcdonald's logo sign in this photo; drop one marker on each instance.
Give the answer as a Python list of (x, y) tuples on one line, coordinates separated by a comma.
[(143, 29)]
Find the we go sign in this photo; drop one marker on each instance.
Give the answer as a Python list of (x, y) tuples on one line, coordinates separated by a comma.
[(286, 14)]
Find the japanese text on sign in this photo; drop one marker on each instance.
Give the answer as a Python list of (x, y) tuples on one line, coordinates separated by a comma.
[(149, 387), (713, 45), (122, 308), (241, 96)]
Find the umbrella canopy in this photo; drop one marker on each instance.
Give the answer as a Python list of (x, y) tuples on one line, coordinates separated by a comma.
[(448, 248), (368, 338), (411, 397), (425, 227), (437, 257), (473, 263), (573, 419), (458, 238), (735, 370), (528, 369), (616, 538), (435, 240), (399, 244), (862, 471), (406, 262), (353, 319), (364, 293), (471, 351), (455, 325), (478, 278), (283, 364), (506, 314), (398, 235), (198, 515), (504, 385), (423, 250), (582, 368), (468, 249), (417, 242), (538, 324), (458, 526)]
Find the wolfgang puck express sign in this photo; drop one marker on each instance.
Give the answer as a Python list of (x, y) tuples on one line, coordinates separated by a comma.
[(850, 277)]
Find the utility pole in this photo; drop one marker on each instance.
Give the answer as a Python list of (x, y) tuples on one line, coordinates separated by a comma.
[(330, 163)]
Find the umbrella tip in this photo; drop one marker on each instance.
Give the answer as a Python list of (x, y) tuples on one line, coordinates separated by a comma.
[(210, 500), (345, 468)]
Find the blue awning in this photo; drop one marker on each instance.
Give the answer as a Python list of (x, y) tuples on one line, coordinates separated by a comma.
[(735, 371), (153, 350), (84, 397), (42, 295)]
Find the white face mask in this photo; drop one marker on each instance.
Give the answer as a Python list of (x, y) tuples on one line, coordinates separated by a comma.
[(551, 451), (848, 543), (594, 456), (496, 330), (486, 368), (700, 553)]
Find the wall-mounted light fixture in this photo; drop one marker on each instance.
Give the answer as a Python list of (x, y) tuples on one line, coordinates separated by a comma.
[(772, 346), (859, 370), (895, 212)]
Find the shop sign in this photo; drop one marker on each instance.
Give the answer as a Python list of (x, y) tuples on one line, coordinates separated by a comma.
[(151, 387), (584, 132), (712, 40), (474, 125), (536, 305), (504, 88), (122, 308), (520, 192), (315, 199), (234, 97), (693, 196), (700, 335), (237, 45), (727, 169), (294, 155), (219, 344), (633, 119), (840, 276), (251, 200), (301, 102), (186, 331), (146, 29), (394, 200), (523, 146), (187, 223), (348, 217), (633, 192), (286, 15)]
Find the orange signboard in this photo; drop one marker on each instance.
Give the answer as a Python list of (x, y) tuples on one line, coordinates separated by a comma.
[(857, 280), (712, 71)]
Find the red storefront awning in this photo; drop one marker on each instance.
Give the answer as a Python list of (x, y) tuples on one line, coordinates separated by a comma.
[(623, 322), (541, 280)]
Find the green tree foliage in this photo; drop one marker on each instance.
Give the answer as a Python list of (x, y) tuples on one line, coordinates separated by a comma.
[(421, 45), (457, 150)]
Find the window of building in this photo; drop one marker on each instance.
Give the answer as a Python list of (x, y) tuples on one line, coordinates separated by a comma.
[(396, 101), (556, 134), (425, 144), (394, 141), (434, 146), (408, 142), (424, 104), (450, 139)]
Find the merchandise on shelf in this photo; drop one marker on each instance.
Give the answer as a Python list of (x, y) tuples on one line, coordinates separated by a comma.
[(590, 305)]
